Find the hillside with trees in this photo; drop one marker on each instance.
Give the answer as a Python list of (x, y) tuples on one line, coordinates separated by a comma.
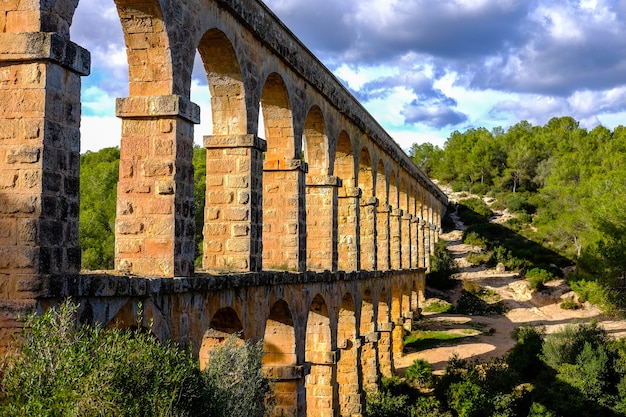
[(565, 185)]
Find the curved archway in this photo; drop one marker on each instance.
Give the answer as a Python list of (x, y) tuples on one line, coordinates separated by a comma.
[(224, 323), (405, 224), (320, 383), (383, 254), (349, 373), (367, 331), (384, 327), (284, 234), (228, 106), (414, 222), (321, 196), (397, 334), (223, 250), (348, 207), (395, 222), (367, 221), (279, 359)]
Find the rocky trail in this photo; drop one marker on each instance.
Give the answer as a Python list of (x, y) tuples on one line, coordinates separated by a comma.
[(488, 337)]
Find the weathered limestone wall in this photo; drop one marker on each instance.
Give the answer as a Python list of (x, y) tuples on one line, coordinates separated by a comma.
[(328, 336), (323, 192)]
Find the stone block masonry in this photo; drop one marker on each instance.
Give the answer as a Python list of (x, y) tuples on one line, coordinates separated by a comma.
[(318, 230)]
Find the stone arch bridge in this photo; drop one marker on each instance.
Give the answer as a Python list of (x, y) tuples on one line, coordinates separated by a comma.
[(318, 230)]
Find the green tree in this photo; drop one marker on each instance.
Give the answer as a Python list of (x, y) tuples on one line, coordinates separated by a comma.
[(99, 173), (427, 156)]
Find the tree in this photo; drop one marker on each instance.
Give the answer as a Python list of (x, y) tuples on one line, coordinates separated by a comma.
[(427, 156), (99, 174)]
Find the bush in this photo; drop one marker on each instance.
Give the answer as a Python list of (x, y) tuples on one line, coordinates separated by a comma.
[(442, 267), (537, 277), (564, 346), (235, 375), (523, 358), (420, 373), (69, 369), (474, 239)]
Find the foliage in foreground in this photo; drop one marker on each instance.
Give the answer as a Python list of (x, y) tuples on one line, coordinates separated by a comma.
[(68, 369), (578, 371)]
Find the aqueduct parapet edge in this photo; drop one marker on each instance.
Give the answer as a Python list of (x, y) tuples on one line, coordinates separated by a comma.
[(323, 192)]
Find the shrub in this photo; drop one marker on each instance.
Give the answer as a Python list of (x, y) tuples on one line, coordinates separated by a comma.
[(523, 358), (565, 346), (442, 267), (384, 404), (474, 239), (420, 373), (78, 370), (569, 304), (537, 277), (69, 369), (235, 375), (476, 258)]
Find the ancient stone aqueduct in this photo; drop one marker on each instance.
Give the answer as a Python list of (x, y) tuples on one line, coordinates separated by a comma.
[(317, 236)]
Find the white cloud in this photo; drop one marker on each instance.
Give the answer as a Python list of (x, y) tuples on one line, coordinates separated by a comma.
[(99, 132)]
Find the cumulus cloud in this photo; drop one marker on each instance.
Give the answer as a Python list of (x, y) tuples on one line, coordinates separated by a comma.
[(427, 66)]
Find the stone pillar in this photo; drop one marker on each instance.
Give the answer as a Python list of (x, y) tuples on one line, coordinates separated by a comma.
[(397, 334), (383, 255), (286, 380), (406, 241), (155, 224), (351, 401), (321, 398), (368, 233), (322, 201), (233, 211), (284, 216), (415, 242), (433, 238), (39, 165), (369, 360), (395, 229), (427, 246), (384, 349), (348, 219), (421, 253)]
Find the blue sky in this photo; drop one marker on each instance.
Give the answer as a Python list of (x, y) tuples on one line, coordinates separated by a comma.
[(423, 68)]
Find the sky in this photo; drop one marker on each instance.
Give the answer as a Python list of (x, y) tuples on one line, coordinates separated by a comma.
[(422, 68)]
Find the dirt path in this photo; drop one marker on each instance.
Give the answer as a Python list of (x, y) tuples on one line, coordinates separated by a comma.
[(524, 308)]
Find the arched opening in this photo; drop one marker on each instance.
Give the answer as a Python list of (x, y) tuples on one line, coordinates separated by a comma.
[(321, 397), (405, 225), (224, 323), (383, 254), (367, 223), (397, 335), (279, 359), (228, 162), (395, 222), (406, 315), (367, 331), (413, 235), (384, 327), (283, 182), (348, 205), (321, 196), (349, 374), (225, 84)]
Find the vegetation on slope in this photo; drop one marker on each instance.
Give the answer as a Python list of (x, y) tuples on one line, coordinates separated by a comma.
[(566, 187)]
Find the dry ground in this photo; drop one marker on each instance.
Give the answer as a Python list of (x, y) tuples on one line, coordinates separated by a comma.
[(524, 308)]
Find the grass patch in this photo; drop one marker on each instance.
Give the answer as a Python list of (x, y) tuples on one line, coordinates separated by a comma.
[(427, 339), (437, 306)]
